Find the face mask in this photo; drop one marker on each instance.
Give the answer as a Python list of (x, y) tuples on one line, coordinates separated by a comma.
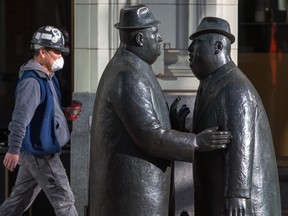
[(58, 64)]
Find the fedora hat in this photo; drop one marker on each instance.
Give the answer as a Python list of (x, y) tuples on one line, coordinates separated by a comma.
[(136, 17), (213, 25)]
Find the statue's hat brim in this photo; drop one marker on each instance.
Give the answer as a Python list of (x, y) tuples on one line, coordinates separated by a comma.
[(213, 25), (136, 17)]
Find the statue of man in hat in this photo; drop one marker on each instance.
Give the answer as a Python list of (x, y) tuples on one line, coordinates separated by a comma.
[(132, 144), (241, 179)]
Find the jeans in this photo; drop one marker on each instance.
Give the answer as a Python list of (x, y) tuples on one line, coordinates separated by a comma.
[(35, 174)]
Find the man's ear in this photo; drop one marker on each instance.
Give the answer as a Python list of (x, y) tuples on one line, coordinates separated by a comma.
[(218, 47), (139, 39), (42, 52)]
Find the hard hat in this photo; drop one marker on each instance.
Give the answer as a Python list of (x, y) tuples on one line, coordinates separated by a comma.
[(51, 37)]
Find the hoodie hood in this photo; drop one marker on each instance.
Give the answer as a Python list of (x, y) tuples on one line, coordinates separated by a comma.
[(35, 66)]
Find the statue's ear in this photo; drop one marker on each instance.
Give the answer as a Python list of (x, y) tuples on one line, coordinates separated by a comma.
[(218, 47), (139, 39)]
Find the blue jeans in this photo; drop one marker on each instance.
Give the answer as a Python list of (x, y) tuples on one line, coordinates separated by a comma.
[(36, 173)]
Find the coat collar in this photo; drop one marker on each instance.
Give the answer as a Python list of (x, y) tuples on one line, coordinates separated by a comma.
[(209, 82)]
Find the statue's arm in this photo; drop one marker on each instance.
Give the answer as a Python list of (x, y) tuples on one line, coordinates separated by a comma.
[(238, 114), (139, 112)]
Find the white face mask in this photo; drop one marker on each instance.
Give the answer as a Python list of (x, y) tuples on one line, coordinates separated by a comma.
[(58, 64)]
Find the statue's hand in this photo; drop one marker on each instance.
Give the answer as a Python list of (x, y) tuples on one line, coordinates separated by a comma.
[(237, 207), (211, 139), (178, 118)]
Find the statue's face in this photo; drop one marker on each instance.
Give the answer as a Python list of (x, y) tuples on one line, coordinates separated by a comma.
[(201, 52), (151, 44)]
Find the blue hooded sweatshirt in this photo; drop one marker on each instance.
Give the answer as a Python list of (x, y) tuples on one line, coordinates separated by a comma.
[(38, 125)]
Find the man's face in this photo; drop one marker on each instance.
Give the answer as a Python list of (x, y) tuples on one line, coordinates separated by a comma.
[(151, 44), (47, 57)]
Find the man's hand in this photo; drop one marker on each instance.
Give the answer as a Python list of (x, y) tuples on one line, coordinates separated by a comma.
[(177, 119), (211, 139), (10, 161), (237, 207)]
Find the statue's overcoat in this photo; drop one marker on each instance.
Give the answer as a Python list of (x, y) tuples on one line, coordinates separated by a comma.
[(247, 168), (132, 145)]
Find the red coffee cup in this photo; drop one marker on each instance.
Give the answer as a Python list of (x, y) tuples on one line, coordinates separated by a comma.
[(75, 109)]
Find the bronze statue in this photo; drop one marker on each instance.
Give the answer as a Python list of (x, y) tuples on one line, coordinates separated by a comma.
[(132, 144), (242, 179)]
